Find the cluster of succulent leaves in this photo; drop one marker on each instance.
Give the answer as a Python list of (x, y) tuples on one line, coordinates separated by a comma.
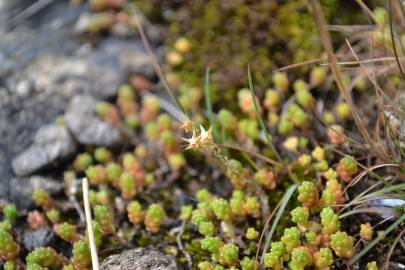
[(131, 189), (220, 232)]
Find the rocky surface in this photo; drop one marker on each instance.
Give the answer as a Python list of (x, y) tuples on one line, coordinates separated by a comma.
[(51, 143), (21, 189), (87, 128), (139, 259), (41, 237), (44, 64)]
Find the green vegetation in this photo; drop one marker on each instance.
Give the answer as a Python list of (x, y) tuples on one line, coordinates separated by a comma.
[(267, 176)]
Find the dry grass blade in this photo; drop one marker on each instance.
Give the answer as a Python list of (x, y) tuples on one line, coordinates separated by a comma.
[(87, 210), (393, 39), (327, 43), (208, 102), (377, 240), (365, 8), (386, 266), (365, 172), (375, 60), (297, 65), (258, 155), (156, 65)]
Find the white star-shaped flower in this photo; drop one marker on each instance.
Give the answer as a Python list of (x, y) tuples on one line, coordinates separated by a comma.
[(193, 142), (206, 136)]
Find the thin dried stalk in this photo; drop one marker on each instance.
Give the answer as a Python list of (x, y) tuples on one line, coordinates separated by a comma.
[(87, 210), (327, 43), (368, 12)]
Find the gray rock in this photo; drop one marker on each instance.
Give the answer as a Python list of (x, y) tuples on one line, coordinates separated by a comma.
[(24, 88), (87, 128), (21, 189), (139, 259), (105, 74), (51, 143), (41, 237), (136, 60)]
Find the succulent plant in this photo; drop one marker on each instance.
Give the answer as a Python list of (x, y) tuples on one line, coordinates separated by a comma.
[(342, 244), (211, 244), (300, 216), (336, 134), (45, 257), (82, 161), (150, 108), (330, 220), (312, 238), (127, 185), (102, 154), (97, 233), (305, 99), (220, 207), (183, 45), (266, 178), (235, 173), (346, 168), (206, 228), (248, 263), (372, 266), (8, 247), (308, 194), (154, 218), (96, 174), (81, 255), (366, 231), (272, 99), (135, 212), (273, 261), (9, 265), (301, 257), (42, 198), (245, 102), (333, 193), (228, 254), (300, 85), (199, 215), (176, 161), (236, 203), (251, 234), (318, 153), (186, 212), (53, 215), (323, 258), (317, 76), (114, 172), (280, 81), (6, 226), (66, 231), (291, 238), (10, 212), (103, 217), (343, 110), (252, 206)]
